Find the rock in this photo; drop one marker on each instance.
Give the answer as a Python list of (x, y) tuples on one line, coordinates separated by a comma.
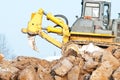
[(117, 53), (90, 48), (97, 55), (1, 57), (90, 65), (111, 49), (5, 75), (43, 73), (70, 49), (28, 74), (116, 74), (60, 78), (114, 62), (73, 74), (85, 77), (71, 59), (103, 72), (63, 67)]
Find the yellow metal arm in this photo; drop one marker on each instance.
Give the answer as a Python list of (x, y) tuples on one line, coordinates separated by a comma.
[(50, 39), (35, 28), (35, 24), (64, 26), (51, 29)]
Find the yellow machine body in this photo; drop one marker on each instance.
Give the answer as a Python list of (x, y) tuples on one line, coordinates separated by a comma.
[(91, 37)]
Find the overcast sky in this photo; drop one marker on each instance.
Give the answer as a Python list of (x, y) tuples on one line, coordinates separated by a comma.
[(15, 14)]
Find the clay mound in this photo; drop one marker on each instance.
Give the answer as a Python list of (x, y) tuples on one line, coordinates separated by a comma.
[(82, 64)]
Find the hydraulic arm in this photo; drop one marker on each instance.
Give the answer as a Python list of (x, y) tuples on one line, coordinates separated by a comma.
[(35, 28)]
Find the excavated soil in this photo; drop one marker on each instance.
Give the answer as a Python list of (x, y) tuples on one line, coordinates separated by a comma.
[(98, 64)]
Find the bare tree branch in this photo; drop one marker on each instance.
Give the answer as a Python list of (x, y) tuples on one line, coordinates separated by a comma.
[(4, 49)]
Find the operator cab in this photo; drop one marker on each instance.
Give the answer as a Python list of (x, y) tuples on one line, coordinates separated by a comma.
[(95, 15)]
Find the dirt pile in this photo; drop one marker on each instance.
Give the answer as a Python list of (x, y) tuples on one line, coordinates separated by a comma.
[(77, 63)]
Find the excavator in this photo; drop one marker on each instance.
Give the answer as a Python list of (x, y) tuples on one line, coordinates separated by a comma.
[(94, 26)]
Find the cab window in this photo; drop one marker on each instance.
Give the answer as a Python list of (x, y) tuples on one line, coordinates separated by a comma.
[(92, 9)]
